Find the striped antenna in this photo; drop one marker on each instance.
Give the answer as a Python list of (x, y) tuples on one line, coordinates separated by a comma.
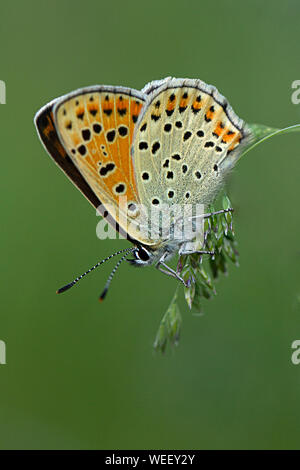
[(102, 296), (71, 284)]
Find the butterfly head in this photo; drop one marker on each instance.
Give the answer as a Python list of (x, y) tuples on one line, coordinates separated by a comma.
[(147, 256)]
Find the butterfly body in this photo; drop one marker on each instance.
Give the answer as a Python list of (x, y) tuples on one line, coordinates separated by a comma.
[(136, 155)]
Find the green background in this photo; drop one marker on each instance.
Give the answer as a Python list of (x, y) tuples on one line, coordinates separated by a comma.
[(84, 375)]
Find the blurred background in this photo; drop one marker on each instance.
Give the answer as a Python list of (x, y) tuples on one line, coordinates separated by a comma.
[(83, 375)]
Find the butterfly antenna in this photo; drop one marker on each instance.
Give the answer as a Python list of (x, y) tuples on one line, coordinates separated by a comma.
[(102, 296), (71, 284)]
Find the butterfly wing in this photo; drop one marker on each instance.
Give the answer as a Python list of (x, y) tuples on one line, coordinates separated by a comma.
[(44, 122), (46, 130), (185, 134), (95, 126), (152, 86)]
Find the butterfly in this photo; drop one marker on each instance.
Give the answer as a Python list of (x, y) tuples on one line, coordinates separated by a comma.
[(132, 152)]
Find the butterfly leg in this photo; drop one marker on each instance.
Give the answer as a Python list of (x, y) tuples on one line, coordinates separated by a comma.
[(200, 252), (209, 214), (169, 271), (194, 247), (222, 211)]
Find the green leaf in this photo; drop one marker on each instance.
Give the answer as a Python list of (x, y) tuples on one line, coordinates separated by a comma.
[(230, 235), (229, 250), (197, 298), (160, 341), (226, 202), (174, 324), (189, 294), (205, 277), (214, 268), (169, 328)]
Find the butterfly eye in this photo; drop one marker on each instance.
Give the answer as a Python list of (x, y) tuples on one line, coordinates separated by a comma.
[(142, 254)]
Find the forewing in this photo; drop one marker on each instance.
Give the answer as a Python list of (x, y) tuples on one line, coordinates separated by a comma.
[(46, 130), (95, 126)]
